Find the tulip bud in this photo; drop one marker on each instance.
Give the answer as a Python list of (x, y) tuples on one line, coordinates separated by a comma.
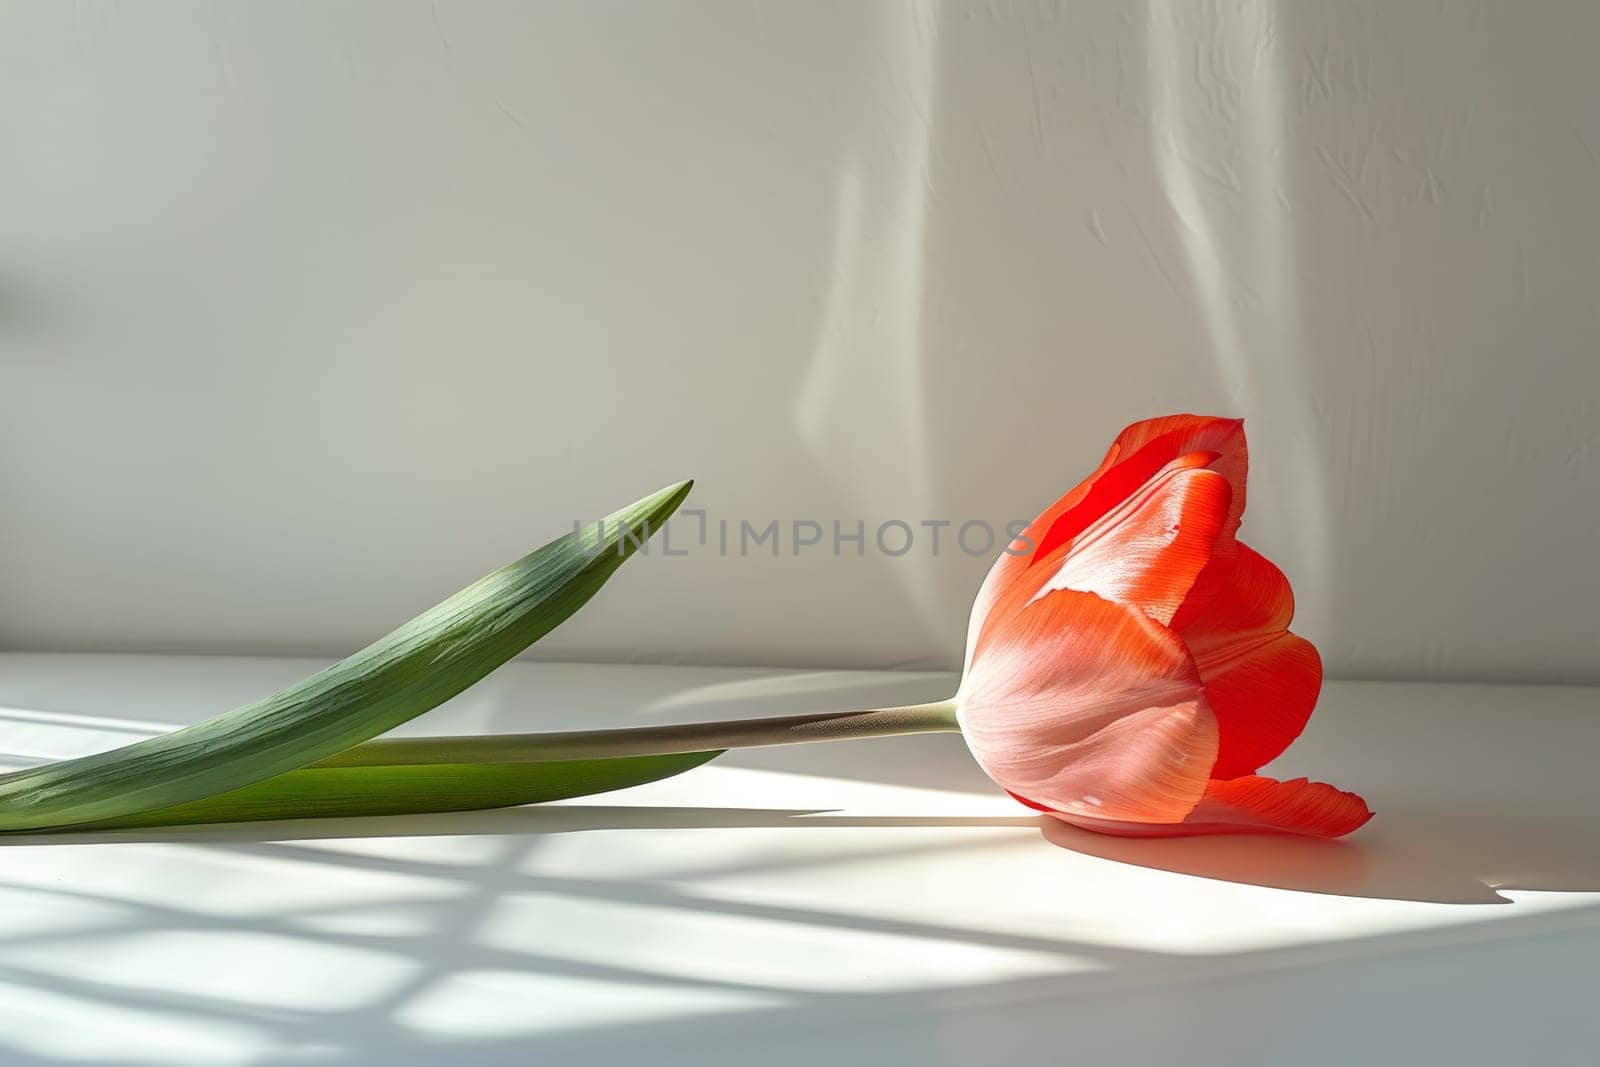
[(1133, 671)]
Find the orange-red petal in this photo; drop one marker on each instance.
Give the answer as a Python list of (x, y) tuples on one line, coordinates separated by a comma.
[(1137, 455), (1008, 571), (1146, 551), (1090, 707), (1141, 451), (1261, 681), (1251, 804), (1299, 806), (1149, 549), (1255, 599)]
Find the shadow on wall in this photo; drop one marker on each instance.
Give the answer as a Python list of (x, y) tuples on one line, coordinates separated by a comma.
[(914, 261), (1263, 211), (1116, 233)]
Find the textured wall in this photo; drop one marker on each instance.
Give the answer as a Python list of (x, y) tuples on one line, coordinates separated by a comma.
[(310, 313)]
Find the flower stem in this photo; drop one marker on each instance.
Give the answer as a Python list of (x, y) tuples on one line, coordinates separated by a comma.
[(650, 740)]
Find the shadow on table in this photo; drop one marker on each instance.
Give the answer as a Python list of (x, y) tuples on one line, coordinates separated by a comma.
[(1471, 795), (1475, 788), (1409, 856), (1444, 858), (1469, 798)]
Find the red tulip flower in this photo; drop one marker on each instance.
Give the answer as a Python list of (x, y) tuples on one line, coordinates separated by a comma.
[(1128, 670), (1130, 667)]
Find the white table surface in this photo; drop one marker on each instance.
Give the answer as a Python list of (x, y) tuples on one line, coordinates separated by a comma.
[(865, 902)]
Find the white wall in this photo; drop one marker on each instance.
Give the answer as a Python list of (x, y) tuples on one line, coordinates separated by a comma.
[(310, 313)]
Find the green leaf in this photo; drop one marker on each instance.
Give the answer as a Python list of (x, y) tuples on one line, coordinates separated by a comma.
[(410, 789), (422, 664)]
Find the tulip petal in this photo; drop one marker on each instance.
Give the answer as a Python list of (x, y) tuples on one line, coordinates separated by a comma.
[(1142, 450), (1251, 804), (1260, 680), (1262, 701), (1155, 442), (1226, 438), (1256, 599), (1138, 454), (1091, 707), (1138, 434), (1003, 578), (1149, 550)]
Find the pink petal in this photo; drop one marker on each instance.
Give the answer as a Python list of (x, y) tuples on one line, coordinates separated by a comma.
[(1090, 707)]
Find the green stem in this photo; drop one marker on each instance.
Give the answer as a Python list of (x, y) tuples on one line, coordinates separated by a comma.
[(414, 775), (650, 740)]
